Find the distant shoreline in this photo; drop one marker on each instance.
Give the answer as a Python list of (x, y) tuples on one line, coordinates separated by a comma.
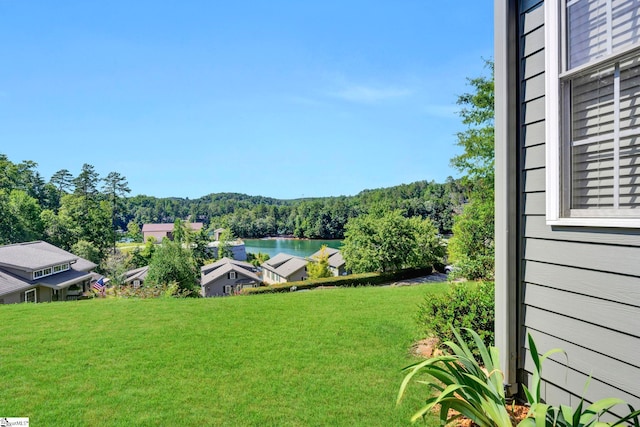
[(289, 238)]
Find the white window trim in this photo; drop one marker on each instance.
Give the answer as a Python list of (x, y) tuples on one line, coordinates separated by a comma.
[(554, 36), (49, 271), (35, 295)]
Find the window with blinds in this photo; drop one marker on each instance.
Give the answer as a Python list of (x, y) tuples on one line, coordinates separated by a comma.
[(600, 108)]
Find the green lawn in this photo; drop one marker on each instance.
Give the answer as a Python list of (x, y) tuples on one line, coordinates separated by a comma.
[(325, 358)]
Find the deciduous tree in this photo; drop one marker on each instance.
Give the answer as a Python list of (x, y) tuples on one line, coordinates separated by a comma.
[(388, 242), (171, 263), (472, 247), (319, 265)]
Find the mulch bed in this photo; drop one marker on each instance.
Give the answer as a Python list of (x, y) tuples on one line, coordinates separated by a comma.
[(516, 412)]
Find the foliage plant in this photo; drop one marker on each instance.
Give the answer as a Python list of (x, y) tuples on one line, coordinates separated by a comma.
[(172, 263), (318, 268), (476, 391), (473, 390), (471, 247), (171, 290), (351, 280), (388, 241), (542, 414), (466, 305)]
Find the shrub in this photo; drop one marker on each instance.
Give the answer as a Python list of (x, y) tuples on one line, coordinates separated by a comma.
[(171, 290), (471, 248), (352, 280), (466, 305)]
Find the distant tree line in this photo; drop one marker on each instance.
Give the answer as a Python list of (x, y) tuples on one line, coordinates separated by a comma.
[(86, 213), (77, 213), (313, 218)]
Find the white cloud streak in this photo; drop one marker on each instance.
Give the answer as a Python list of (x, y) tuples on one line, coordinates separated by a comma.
[(441, 111), (369, 94)]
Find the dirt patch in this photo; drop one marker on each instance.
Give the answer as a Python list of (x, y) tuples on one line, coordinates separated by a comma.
[(426, 348)]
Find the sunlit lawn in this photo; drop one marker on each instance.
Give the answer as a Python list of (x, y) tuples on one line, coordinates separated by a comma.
[(128, 247), (325, 358)]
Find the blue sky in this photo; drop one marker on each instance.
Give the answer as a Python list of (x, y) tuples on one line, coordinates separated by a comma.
[(275, 98)]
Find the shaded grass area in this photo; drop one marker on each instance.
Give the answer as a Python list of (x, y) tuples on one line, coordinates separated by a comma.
[(328, 357)]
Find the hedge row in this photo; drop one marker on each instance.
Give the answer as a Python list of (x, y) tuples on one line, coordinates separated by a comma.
[(352, 280)]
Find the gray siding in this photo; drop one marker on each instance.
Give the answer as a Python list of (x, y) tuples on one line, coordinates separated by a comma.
[(216, 288), (13, 298), (579, 287)]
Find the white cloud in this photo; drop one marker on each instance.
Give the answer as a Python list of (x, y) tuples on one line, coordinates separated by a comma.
[(442, 111), (369, 94)]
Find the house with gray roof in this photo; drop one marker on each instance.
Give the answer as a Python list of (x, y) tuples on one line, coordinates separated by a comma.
[(237, 248), (336, 262), (227, 276), (284, 268), (136, 277), (40, 272), (567, 176)]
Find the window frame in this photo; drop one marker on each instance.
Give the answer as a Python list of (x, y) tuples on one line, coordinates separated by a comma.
[(557, 155), (31, 291)]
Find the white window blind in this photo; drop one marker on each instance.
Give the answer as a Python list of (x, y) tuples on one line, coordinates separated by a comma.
[(603, 99), (596, 28)]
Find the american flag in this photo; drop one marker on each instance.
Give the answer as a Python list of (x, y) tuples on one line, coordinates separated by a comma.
[(99, 285)]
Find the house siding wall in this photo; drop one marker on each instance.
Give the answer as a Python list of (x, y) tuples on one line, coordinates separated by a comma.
[(13, 298), (298, 275), (579, 287), (216, 288), (158, 235)]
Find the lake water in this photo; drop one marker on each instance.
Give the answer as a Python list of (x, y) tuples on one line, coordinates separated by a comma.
[(301, 248)]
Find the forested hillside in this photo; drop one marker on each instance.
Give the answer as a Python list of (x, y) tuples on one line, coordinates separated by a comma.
[(86, 212), (322, 218)]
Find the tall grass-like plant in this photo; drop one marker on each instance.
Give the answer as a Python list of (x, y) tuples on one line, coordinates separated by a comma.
[(477, 392), (542, 414), (462, 384)]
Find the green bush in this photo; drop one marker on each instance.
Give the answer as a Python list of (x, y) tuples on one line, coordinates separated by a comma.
[(471, 248), (352, 280), (466, 306)]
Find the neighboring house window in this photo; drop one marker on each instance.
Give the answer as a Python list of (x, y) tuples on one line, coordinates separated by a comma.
[(136, 283), (233, 275), (61, 267), (593, 114), (42, 273), (30, 296), (50, 270), (227, 289)]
